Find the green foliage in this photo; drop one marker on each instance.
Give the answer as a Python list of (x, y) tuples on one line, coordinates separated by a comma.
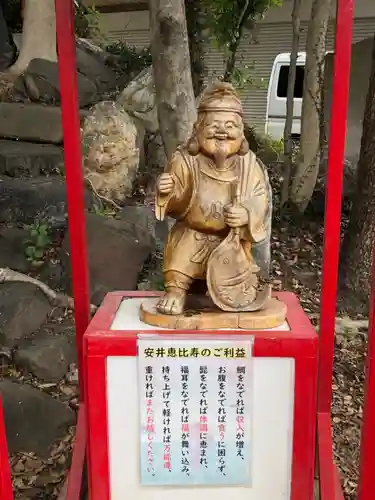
[(87, 23), (245, 75), (225, 21), (277, 145), (100, 209), (266, 148), (38, 242), (227, 17), (130, 58)]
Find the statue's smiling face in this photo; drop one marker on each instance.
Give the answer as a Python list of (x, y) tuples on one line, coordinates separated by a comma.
[(220, 133)]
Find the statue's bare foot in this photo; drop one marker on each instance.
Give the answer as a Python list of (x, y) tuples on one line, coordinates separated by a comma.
[(172, 302)]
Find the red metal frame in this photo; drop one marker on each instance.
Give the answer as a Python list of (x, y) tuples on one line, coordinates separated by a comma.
[(79, 452), (6, 492), (301, 343), (331, 248), (366, 488), (66, 45), (329, 480)]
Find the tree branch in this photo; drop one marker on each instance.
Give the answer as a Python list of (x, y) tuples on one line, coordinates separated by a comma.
[(231, 62), (59, 299)]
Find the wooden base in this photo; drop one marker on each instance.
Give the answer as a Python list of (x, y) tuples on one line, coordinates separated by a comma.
[(207, 317)]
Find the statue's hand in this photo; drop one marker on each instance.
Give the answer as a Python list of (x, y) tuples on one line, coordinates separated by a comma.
[(236, 216), (165, 184)]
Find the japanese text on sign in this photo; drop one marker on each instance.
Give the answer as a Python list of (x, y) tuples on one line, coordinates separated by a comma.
[(196, 352), (196, 407)]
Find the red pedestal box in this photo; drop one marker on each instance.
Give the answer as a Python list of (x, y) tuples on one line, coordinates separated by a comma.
[(283, 405)]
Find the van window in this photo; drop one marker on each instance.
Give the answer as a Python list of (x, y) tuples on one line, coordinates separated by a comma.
[(282, 85)]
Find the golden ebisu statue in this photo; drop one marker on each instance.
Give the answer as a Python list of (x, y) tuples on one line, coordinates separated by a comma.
[(219, 194)]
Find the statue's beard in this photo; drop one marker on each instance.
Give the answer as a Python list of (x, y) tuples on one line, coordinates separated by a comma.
[(220, 151), (220, 154)]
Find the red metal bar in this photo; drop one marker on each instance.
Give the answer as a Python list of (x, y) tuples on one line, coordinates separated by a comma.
[(340, 92), (6, 492), (366, 488), (73, 168), (329, 481), (78, 459)]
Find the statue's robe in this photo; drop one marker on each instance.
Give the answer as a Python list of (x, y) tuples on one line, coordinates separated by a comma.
[(197, 203)]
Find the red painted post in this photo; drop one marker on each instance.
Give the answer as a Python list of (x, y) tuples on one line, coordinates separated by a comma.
[(6, 492), (73, 168), (340, 92), (366, 487)]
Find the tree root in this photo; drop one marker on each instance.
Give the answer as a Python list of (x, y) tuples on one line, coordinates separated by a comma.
[(349, 327), (100, 197), (59, 299)]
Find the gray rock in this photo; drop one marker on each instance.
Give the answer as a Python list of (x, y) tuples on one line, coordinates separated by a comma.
[(116, 252), (12, 249), (139, 100), (143, 218), (27, 159), (23, 310), (33, 420), (95, 70), (101, 55), (42, 83), (48, 354), (24, 200), (152, 277), (349, 175), (51, 273), (31, 122)]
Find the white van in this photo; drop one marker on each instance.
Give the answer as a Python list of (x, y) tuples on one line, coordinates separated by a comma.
[(277, 94), (359, 81)]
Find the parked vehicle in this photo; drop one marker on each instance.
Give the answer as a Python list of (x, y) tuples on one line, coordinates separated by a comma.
[(359, 81), (277, 94)]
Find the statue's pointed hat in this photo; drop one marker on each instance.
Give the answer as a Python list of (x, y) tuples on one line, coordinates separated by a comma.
[(220, 96)]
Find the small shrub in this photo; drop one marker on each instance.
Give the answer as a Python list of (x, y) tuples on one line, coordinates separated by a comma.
[(87, 23), (267, 149), (38, 242)]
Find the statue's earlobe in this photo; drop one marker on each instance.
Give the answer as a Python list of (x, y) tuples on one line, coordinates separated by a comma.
[(245, 148), (193, 147)]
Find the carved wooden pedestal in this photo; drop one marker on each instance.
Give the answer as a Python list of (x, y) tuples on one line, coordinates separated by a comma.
[(201, 316)]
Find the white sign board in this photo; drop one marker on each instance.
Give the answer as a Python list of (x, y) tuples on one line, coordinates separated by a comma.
[(195, 410)]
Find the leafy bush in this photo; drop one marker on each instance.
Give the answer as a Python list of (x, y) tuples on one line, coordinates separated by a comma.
[(86, 21), (38, 242), (266, 148), (130, 59)]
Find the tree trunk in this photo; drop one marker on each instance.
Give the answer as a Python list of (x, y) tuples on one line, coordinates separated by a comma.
[(172, 75), (288, 141), (38, 36), (194, 27), (307, 167), (360, 237)]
